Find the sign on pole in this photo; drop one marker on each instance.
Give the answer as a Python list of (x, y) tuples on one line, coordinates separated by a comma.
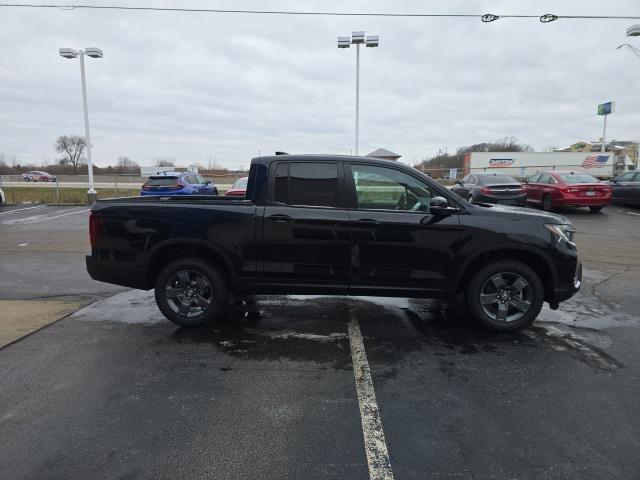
[(453, 173), (606, 108)]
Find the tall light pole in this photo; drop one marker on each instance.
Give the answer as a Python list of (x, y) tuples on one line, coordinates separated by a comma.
[(357, 39), (93, 52), (634, 31)]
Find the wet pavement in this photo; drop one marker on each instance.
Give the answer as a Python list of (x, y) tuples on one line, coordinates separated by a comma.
[(117, 391)]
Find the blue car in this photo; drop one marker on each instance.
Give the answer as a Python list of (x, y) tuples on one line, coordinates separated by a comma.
[(178, 183)]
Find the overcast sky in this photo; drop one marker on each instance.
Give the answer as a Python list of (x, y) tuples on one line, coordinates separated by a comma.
[(224, 86)]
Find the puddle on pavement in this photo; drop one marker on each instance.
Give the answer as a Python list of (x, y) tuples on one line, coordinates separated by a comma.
[(301, 327)]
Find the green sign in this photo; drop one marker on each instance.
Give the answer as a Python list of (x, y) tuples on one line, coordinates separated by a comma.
[(606, 108)]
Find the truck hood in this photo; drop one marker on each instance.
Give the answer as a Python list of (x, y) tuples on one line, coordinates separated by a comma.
[(507, 210)]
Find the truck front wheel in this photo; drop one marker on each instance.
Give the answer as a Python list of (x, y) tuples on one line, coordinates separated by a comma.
[(191, 292), (505, 295)]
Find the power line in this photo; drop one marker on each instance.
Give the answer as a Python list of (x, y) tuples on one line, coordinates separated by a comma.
[(486, 18)]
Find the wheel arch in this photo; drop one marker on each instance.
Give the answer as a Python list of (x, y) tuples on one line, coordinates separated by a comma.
[(535, 259), (174, 249)]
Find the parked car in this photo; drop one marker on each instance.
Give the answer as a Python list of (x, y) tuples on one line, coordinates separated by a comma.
[(37, 176), (491, 188), (336, 225), (556, 189), (626, 188), (239, 188), (178, 183), (2, 197)]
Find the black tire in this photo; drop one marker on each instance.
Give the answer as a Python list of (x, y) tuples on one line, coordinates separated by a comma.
[(215, 191), (596, 209), (547, 203), (203, 294), (479, 293)]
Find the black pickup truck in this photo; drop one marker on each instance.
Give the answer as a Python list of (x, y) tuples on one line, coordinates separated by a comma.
[(336, 225)]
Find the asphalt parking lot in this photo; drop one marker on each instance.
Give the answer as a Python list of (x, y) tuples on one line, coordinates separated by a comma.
[(280, 389)]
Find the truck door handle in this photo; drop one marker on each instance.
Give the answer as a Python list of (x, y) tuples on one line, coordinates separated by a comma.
[(368, 221), (280, 218)]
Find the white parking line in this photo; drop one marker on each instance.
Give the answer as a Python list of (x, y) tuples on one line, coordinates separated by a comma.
[(22, 209), (58, 216), (374, 442), (633, 213)]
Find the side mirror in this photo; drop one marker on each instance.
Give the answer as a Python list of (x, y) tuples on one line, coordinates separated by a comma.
[(439, 202), (208, 182)]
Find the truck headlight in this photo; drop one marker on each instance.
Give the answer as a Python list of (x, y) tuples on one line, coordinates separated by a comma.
[(562, 231)]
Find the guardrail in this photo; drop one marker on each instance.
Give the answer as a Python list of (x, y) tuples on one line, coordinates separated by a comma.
[(73, 188)]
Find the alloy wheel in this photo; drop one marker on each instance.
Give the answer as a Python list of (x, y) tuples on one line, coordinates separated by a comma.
[(189, 293), (506, 297)]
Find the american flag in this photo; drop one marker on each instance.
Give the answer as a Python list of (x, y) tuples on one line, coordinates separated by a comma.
[(594, 161)]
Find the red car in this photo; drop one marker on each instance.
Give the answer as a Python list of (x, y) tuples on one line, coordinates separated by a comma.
[(567, 189), (37, 176), (238, 189)]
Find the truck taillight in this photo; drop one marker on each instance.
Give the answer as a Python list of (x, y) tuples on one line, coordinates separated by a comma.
[(96, 223)]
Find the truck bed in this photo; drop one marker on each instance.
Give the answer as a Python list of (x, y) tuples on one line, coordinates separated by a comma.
[(174, 199)]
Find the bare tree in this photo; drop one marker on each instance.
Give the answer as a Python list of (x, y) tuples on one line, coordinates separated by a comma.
[(72, 147), (164, 162), (125, 163), (444, 160)]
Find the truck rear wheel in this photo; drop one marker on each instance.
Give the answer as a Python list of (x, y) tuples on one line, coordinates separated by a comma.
[(191, 292), (505, 295)]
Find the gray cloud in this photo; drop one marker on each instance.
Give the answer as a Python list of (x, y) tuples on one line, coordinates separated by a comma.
[(190, 86)]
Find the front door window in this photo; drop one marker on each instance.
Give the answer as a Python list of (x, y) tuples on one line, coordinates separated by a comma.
[(381, 188)]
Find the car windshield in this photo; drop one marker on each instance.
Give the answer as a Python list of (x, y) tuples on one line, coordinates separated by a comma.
[(162, 181), (578, 178), (242, 183), (496, 180)]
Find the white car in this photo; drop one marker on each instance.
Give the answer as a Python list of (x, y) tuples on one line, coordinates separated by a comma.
[(1, 197)]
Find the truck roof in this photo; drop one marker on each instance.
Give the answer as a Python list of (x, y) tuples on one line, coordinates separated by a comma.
[(266, 160)]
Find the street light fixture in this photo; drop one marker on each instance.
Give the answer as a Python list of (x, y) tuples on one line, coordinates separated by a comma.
[(633, 31), (357, 39), (92, 52), (631, 47)]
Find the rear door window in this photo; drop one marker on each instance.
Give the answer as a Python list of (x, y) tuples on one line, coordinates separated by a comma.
[(544, 178), (309, 184), (534, 178)]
